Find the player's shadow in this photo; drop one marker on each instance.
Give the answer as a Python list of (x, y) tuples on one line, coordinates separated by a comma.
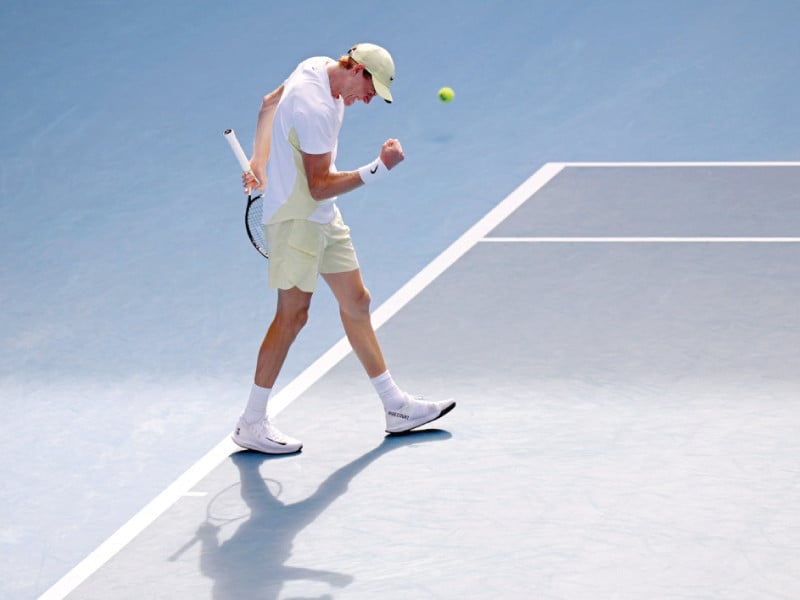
[(251, 563)]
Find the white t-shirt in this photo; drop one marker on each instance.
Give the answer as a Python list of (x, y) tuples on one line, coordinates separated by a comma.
[(307, 118)]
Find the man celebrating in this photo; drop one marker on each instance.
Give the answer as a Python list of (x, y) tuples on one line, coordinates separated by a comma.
[(296, 140)]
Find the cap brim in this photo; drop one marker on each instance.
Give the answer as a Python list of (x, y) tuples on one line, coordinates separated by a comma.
[(382, 90)]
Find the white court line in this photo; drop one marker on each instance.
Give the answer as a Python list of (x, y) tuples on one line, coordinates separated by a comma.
[(683, 164), (642, 240), (182, 486)]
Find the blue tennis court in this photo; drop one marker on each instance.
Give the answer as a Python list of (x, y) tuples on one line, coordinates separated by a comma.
[(626, 424)]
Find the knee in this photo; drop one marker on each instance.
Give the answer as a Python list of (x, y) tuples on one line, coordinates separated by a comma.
[(358, 305), (293, 320)]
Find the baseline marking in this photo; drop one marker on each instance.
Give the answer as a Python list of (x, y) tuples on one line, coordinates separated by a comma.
[(641, 240), (668, 165)]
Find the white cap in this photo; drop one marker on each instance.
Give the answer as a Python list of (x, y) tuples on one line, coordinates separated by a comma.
[(380, 65)]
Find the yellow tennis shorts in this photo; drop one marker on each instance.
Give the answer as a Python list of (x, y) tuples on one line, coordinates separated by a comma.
[(300, 250)]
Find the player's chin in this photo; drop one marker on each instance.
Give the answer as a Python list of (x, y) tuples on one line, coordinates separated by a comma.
[(354, 99)]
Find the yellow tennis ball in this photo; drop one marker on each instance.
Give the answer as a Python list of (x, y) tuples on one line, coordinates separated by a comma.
[(446, 94)]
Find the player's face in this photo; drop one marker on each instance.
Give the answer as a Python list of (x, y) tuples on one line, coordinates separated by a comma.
[(360, 87)]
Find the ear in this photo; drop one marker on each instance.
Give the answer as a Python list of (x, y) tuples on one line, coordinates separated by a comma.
[(357, 69)]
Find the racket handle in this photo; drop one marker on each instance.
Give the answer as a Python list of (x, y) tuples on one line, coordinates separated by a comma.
[(230, 135)]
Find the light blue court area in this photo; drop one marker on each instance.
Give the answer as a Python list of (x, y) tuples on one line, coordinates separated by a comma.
[(132, 305), (626, 422)]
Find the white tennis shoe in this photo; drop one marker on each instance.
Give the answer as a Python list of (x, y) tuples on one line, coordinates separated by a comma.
[(415, 412), (264, 437)]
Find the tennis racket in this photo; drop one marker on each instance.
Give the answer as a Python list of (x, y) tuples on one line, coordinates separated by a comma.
[(252, 213)]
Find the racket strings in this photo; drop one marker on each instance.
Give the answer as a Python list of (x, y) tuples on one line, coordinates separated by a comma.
[(253, 223)]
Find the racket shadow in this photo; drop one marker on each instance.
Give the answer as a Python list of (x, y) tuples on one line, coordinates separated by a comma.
[(251, 563)]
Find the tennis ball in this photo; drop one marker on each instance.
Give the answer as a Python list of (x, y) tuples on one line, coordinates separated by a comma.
[(446, 94)]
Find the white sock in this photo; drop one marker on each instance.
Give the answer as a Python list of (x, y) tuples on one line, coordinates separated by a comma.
[(391, 395), (256, 408)]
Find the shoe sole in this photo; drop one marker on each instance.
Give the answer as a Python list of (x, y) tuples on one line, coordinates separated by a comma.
[(414, 425), (278, 449)]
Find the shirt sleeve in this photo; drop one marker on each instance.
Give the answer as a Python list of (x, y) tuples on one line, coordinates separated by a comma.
[(316, 129)]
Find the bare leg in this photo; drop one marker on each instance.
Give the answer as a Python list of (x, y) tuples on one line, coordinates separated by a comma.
[(290, 317), (354, 300)]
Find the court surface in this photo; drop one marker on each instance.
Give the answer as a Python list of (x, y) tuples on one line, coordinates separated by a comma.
[(623, 342)]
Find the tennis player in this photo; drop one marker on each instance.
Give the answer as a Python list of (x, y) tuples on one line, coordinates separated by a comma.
[(293, 160)]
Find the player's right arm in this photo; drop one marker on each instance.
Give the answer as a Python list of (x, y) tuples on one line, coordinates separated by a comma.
[(261, 142)]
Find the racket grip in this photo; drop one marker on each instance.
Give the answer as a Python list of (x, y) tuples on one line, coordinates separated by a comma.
[(230, 135)]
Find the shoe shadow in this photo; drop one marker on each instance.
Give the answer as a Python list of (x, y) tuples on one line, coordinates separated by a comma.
[(251, 564)]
